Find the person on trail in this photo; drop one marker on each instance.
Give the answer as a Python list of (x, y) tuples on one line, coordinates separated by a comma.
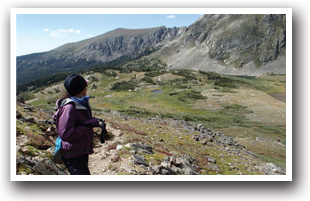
[(74, 124)]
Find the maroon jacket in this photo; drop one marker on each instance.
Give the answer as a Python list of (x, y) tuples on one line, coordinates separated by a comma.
[(77, 140)]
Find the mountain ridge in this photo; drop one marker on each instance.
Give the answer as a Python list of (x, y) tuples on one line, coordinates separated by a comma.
[(90, 52), (229, 44)]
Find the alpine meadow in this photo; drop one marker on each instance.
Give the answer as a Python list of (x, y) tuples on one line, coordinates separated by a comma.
[(205, 99)]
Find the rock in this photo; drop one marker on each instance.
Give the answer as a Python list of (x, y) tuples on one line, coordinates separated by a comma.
[(251, 154), (165, 164), (165, 171), (198, 127), (214, 168), (115, 158), (210, 138), (143, 148), (172, 165), (29, 119), (128, 145), (51, 150), (18, 115), (154, 169), (271, 169), (132, 152), (177, 170), (211, 160), (50, 130), (140, 160), (187, 168), (172, 159), (118, 147), (47, 167), (196, 137), (20, 99), (30, 109)]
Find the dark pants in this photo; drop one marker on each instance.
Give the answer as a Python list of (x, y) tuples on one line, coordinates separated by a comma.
[(78, 165)]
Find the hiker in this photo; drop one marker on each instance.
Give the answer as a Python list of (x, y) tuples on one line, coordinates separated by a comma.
[(73, 114)]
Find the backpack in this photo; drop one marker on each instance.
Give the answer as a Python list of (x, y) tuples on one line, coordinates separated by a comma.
[(59, 151)]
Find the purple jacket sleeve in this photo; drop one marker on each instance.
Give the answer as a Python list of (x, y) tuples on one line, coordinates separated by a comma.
[(67, 124)]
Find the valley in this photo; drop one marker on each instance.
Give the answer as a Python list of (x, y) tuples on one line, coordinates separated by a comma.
[(240, 107), (207, 99)]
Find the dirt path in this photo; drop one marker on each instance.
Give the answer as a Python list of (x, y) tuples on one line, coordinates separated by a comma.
[(105, 160)]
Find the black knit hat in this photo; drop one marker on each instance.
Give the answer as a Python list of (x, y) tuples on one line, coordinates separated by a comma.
[(75, 84)]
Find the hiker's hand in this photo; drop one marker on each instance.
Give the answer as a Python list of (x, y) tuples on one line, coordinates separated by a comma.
[(101, 122)]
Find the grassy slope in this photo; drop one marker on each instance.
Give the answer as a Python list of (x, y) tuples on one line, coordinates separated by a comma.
[(248, 112)]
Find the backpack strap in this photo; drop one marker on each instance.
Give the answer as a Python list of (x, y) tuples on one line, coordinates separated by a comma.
[(78, 106)]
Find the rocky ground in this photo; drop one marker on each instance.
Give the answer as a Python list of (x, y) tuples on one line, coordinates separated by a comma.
[(152, 146)]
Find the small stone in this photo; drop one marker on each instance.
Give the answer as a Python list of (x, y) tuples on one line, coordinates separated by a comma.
[(165, 164), (132, 152), (118, 147), (115, 158), (128, 145), (165, 171), (211, 160), (154, 169)]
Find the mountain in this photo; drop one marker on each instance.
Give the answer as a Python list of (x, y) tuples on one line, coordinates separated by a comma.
[(94, 51), (230, 44)]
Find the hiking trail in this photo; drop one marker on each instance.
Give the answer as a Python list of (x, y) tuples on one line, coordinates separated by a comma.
[(105, 160)]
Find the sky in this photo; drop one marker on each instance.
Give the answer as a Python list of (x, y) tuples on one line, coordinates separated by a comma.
[(44, 32)]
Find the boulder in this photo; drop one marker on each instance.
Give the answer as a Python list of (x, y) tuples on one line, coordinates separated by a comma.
[(47, 167)]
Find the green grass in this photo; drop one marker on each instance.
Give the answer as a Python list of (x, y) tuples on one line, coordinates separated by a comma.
[(182, 99)]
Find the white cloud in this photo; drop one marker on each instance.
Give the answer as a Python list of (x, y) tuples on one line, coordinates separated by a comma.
[(171, 16), (89, 35), (62, 32)]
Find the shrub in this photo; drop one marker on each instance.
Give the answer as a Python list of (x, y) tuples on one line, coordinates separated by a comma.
[(155, 73), (124, 86), (186, 96), (224, 82), (148, 80)]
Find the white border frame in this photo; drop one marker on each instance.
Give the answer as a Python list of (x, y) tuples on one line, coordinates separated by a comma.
[(287, 11)]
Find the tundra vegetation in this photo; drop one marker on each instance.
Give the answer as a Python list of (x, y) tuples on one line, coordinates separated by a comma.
[(249, 109)]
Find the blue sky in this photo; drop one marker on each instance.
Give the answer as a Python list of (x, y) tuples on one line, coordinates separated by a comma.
[(44, 32)]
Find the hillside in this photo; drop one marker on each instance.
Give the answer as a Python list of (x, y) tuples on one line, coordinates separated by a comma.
[(92, 52), (229, 44), (176, 122)]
